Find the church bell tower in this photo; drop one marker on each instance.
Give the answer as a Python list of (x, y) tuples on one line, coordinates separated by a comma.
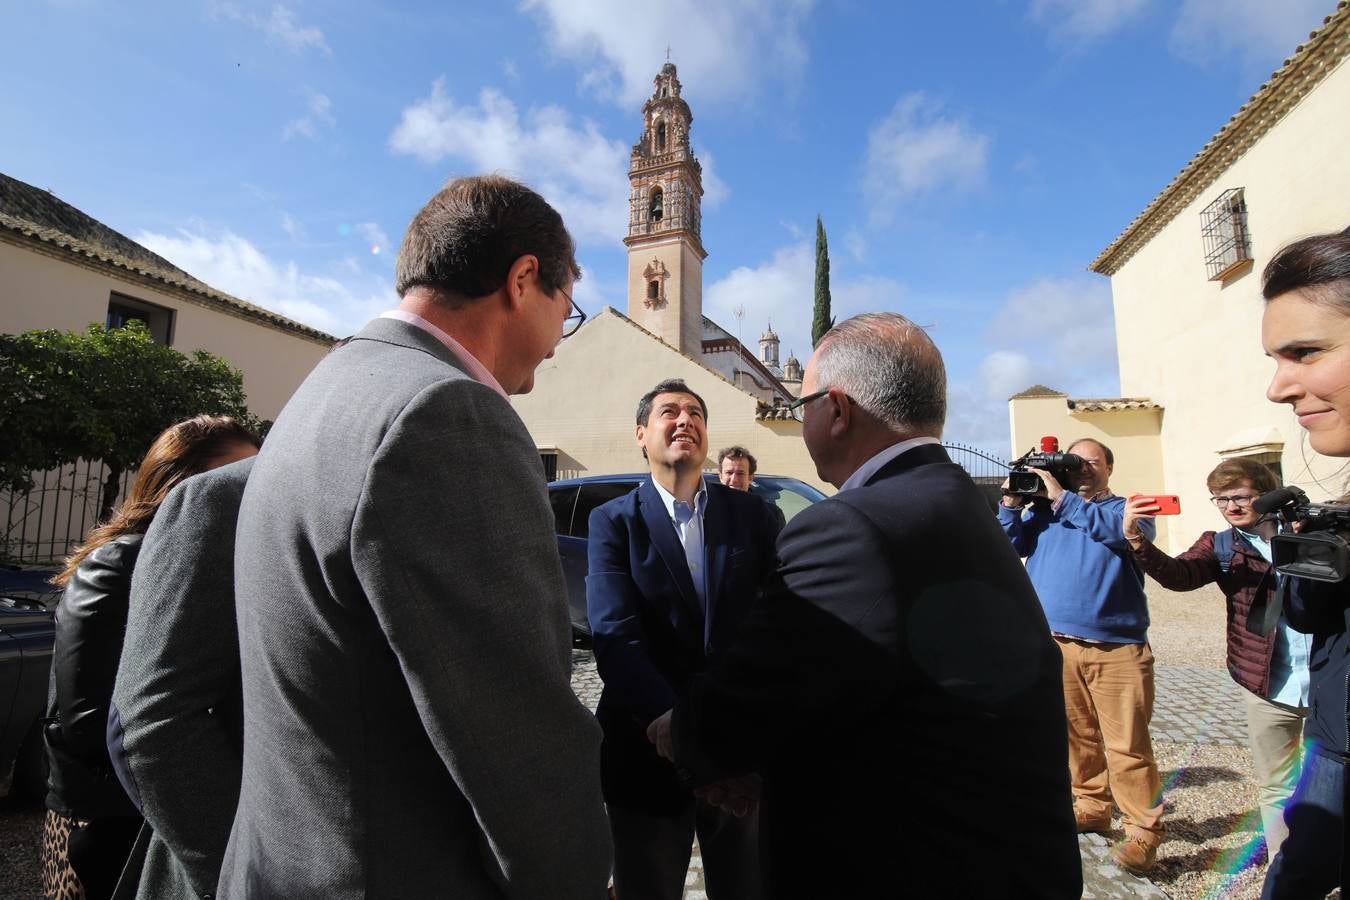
[(665, 250)]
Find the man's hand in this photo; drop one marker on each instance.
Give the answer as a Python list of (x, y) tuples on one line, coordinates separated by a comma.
[(1011, 501), (1137, 508), (658, 732), (1053, 489), (738, 796)]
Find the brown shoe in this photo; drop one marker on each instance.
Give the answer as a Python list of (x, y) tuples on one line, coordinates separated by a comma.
[(1087, 823), (1136, 854)]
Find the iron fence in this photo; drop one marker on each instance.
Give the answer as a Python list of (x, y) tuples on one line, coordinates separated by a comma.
[(42, 525), (986, 470)]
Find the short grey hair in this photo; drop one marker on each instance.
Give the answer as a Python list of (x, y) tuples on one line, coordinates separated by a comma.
[(890, 367)]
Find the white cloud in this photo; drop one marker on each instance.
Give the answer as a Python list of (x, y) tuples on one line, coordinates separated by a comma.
[(855, 244), (279, 26), (318, 111), (1258, 31), (375, 236), (919, 148), (1068, 318), (782, 291), (715, 190), (576, 168), (1059, 332), (233, 264), (1085, 20), (728, 49), (292, 227)]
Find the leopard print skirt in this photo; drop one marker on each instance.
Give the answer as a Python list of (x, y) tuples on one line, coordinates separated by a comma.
[(58, 878)]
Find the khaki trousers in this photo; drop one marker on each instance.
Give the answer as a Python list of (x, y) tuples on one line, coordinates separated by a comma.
[(1108, 696), (1275, 734)]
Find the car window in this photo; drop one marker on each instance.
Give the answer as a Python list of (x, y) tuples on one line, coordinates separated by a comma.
[(591, 496), (791, 497), (562, 500)]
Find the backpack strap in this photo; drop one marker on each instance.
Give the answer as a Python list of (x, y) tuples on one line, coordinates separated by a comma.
[(1223, 549)]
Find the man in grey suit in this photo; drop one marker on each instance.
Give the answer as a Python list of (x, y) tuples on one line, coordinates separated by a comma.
[(409, 724), (177, 691)]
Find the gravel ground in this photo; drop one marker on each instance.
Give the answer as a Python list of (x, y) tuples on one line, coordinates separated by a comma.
[(1213, 849), (20, 840)]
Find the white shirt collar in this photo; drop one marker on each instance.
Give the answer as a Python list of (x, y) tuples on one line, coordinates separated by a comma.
[(700, 497), (873, 465)]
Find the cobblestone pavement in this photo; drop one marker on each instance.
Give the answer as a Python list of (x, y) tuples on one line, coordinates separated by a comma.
[(1192, 704), (1202, 705)]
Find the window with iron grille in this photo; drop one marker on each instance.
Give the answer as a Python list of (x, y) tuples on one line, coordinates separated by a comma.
[(1224, 226)]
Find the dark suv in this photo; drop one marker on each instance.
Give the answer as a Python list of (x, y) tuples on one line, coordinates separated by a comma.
[(26, 635), (574, 499)]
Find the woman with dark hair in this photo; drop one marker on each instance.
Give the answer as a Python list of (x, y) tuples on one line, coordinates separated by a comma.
[(1306, 330), (1271, 669), (90, 821)]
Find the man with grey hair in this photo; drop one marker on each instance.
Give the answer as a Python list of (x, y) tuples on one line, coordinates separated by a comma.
[(899, 664), (409, 724)]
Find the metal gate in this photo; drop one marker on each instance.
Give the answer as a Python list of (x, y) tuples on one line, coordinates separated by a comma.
[(986, 470)]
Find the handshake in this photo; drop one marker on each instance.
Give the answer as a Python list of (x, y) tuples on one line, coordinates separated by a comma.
[(738, 794)]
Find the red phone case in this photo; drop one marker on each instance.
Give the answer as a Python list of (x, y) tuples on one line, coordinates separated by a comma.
[(1170, 504)]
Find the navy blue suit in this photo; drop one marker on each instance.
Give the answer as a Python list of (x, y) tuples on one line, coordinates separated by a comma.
[(651, 633)]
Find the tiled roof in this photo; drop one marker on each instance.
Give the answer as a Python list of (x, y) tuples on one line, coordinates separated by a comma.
[(1112, 404), (1324, 50), (31, 214), (1038, 390)]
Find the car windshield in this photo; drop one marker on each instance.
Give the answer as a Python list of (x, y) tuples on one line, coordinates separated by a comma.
[(789, 495)]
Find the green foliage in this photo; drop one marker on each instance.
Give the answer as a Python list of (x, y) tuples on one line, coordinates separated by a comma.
[(821, 320), (101, 395)]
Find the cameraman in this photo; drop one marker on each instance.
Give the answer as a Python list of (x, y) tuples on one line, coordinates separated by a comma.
[(1306, 330), (1272, 669), (1093, 596)]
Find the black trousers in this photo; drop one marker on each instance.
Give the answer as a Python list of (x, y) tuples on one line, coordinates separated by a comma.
[(98, 851), (651, 853)]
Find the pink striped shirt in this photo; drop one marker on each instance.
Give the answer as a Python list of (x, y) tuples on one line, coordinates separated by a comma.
[(476, 370)]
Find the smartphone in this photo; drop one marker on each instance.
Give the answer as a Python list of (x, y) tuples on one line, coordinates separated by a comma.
[(1169, 504)]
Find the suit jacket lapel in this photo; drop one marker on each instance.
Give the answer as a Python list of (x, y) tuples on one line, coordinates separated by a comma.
[(716, 546), (666, 541)]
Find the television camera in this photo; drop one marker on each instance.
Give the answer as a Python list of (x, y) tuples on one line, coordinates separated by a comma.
[(1023, 482), (1319, 550)]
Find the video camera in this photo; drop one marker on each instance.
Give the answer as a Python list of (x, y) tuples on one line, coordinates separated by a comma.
[(1319, 551), (1023, 482)]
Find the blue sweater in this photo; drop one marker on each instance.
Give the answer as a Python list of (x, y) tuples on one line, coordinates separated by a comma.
[(1080, 563)]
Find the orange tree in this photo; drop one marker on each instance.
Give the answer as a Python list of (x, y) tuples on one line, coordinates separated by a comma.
[(104, 394)]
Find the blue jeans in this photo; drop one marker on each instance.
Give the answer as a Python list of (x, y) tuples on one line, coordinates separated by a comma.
[(1309, 863)]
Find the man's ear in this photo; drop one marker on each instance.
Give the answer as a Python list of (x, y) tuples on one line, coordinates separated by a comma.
[(641, 435), (522, 273), (841, 410)]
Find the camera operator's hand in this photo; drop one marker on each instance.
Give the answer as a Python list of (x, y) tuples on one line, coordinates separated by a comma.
[(1011, 501), (1053, 489), (1137, 508)]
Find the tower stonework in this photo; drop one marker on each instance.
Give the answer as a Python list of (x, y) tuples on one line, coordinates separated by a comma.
[(665, 249)]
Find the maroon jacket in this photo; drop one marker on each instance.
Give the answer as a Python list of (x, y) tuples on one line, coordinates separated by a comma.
[(1248, 654)]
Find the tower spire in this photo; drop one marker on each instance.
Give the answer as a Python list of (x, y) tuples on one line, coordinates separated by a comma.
[(665, 248)]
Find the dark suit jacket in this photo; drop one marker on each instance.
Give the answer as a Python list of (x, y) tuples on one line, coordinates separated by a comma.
[(651, 633), (178, 690), (410, 728), (899, 689)]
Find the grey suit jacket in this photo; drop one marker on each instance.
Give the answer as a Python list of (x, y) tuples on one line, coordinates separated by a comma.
[(177, 689), (409, 724)]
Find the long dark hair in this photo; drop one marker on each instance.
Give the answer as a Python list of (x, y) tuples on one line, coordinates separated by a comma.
[(1317, 266), (182, 450)]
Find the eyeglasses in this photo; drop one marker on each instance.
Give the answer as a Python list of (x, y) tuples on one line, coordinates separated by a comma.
[(1240, 502), (574, 319), (796, 407)]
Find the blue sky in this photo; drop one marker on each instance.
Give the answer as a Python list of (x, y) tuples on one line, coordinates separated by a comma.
[(969, 159)]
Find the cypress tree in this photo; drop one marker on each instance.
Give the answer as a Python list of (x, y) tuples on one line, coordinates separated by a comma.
[(821, 321)]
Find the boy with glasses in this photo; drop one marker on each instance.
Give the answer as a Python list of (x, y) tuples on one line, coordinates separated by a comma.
[(1272, 669)]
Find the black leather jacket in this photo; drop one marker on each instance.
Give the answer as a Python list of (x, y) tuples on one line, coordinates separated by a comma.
[(91, 623)]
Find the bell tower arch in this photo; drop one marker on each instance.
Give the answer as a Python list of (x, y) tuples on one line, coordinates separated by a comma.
[(665, 249)]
